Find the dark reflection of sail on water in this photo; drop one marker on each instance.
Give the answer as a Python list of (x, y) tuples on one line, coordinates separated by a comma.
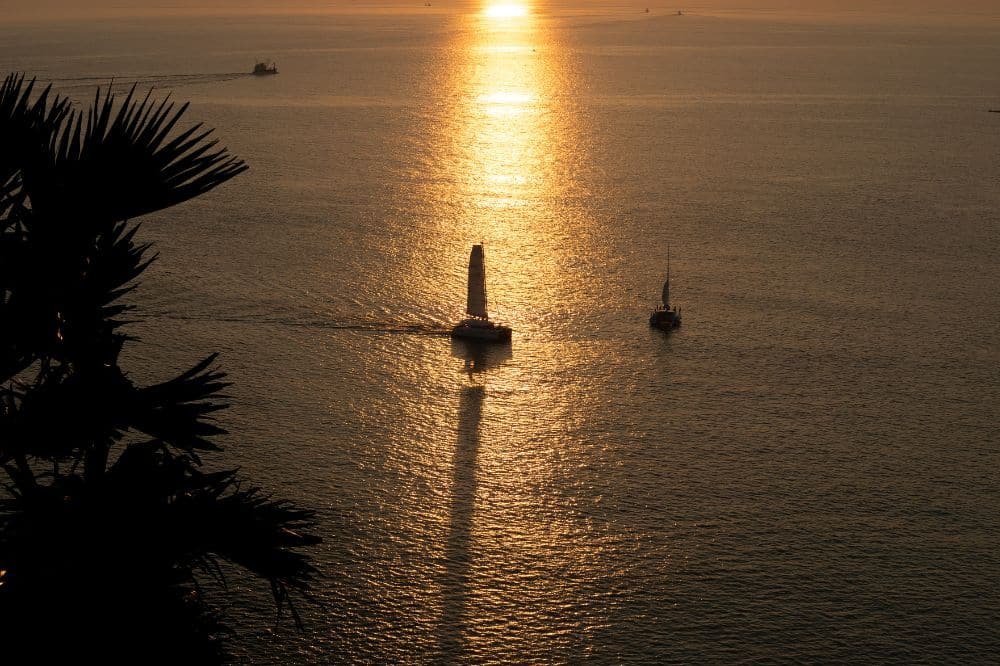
[(478, 357), (455, 585)]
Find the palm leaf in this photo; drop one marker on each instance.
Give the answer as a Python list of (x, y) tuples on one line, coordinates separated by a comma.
[(111, 166), (132, 532), (27, 123), (178, 411)]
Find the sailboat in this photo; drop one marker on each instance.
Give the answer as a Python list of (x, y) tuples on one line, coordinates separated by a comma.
[(664, 317), (478, 326)]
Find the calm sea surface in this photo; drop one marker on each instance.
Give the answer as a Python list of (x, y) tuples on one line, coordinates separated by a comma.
[(809, 470)]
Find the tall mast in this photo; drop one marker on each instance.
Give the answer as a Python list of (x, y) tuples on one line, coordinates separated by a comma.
[(666, 285)]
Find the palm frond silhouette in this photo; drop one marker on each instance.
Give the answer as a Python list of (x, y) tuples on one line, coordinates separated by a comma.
[(108, 520)]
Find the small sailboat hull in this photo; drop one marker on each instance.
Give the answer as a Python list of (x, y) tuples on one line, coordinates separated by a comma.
[(665, 320), (481, 330)]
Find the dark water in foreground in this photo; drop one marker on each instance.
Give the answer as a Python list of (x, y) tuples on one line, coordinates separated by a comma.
[(807, 470)]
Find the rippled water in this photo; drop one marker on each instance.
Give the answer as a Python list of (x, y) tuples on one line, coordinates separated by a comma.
[(808, 470)]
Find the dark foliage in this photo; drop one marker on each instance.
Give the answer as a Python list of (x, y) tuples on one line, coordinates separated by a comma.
[(107, 520)]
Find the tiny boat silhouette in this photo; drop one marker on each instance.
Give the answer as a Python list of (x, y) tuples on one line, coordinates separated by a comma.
[(264, 68), (664, 317), (478, 326)]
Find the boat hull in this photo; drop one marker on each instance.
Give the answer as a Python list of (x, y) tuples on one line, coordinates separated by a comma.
[(665, 320), (480, 330), (264, 69)]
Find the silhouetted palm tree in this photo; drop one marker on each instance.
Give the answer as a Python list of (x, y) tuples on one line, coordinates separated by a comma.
[(108, 520)]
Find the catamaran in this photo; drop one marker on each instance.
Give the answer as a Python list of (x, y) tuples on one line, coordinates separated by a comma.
[(663, 317), (478, 326)]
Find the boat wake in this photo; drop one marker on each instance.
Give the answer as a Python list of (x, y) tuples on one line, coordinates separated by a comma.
[(398, 327), (389, 327), (81, 83)]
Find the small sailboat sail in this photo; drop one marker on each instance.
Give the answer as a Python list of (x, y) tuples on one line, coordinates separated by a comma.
[(476, 302)]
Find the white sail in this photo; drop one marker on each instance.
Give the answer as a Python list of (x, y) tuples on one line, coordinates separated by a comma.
[(476, 304)]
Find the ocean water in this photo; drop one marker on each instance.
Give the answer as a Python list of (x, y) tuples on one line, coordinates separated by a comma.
[(806, 471)]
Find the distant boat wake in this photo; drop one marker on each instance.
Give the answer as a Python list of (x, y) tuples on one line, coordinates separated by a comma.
[(80, 83)]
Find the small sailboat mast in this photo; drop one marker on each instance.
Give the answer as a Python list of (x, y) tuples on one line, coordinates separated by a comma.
[(666, 285), (476, 301)]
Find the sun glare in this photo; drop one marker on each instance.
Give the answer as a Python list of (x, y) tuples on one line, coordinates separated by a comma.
[(505, 10)]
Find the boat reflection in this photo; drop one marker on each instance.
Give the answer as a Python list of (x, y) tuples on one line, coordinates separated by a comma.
[(478, 357), (459, 548)]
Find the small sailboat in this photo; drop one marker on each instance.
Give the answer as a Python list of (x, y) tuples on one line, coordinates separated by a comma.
[(478, 326), (664, 317)]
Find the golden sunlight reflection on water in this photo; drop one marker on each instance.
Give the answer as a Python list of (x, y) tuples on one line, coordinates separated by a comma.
[(477, 447), (505, 10), (505, 144)]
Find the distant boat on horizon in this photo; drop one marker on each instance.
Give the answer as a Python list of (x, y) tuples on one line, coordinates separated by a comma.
[(264, 68), (478, 326), (664, 317)]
